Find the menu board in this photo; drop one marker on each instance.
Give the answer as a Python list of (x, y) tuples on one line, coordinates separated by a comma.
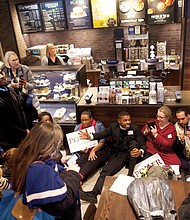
[(104, 13), (78, 14), (29, 17), (131, 12), (160, 11), (53, 15)]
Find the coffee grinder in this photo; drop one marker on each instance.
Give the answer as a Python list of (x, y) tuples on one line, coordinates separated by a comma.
[(118, 44)]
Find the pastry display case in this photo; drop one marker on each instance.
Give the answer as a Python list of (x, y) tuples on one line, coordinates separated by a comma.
[(59, 88)]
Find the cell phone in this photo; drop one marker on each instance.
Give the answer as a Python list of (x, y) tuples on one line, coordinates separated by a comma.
[(74, 157), (151, 124)]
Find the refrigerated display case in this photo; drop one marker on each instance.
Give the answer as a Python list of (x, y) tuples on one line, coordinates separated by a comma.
[(59, 88)]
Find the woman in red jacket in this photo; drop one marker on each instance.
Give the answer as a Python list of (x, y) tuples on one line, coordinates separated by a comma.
[(160, 136)]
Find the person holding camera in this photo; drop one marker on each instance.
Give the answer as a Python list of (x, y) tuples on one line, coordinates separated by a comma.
[(160, 136), (19, 77), (182, 144), (13, 126)]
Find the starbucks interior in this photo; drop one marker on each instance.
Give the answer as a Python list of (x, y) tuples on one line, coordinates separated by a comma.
[(128, 48)]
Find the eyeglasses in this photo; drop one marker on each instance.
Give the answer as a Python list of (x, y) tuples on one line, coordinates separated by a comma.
[(160, 117), (14, 60)]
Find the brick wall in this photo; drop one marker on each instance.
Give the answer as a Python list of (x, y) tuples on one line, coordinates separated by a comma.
[(7, 36), (100, 40), (186, 78)]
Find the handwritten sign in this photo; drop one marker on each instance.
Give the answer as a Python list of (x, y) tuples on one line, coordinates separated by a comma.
[(154, 160), (77, 144)]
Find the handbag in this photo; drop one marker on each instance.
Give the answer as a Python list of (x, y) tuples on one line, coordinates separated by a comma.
[(12, 208)]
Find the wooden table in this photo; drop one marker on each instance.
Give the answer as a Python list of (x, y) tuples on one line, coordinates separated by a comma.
[(113, 206)]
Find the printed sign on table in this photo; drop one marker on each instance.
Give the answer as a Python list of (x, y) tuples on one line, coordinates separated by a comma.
[(154, 160), (77, 144)]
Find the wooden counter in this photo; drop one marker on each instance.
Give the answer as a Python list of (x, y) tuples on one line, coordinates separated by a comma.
[(107, 113), (172, 78), (114, 206), (93, 75)]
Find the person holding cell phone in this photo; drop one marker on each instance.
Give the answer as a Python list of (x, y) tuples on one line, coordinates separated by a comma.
[(45, 183), (160, 136)]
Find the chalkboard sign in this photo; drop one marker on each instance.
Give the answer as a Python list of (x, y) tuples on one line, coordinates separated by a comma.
[(29, 17), (78, 14), (53, 16)]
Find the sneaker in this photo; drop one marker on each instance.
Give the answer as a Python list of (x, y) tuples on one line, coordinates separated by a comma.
[(88, 196)]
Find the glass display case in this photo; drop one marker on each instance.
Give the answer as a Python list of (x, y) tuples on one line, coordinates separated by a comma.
[(59, 88)]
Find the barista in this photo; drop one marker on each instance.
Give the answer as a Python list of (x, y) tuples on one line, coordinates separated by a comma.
[(51, 57)]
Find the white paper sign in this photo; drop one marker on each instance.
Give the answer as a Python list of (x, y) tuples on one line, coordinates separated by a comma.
[(77, 144), (154, 160), (121, 184)]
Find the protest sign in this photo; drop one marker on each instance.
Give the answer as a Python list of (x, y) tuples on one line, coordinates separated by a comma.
[(154, 160), (77, 144)]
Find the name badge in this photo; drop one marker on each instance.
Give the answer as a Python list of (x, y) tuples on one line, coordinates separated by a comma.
[(130, 132)]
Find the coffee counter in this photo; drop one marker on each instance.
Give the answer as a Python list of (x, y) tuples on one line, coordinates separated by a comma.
[(107, 113)]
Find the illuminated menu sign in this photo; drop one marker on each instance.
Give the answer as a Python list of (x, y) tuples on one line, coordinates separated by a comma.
[(29, 17), (53, 16), (104, 13), (160, 11), (78, 14), (131, 12)]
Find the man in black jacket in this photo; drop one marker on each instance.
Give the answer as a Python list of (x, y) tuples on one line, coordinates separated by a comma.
[(13, 126), (128, 146)]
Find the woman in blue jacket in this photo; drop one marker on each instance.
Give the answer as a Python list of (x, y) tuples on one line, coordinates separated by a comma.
[(44, 183)]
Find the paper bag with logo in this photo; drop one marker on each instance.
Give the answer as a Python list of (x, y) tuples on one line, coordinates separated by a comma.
[(154, 160), (77, 144)]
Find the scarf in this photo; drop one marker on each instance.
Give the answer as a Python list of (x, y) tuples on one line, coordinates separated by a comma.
[(92, 124)]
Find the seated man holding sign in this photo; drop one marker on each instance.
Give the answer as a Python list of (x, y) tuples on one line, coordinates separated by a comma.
[(127, 146), (92, 158)]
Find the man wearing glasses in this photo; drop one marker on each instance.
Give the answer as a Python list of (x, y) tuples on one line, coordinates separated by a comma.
[(182, 145), (160, 136)]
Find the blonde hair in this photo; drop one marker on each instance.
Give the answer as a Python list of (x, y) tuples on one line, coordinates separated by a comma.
[(48, 46), (167, 111), (7, 56)]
